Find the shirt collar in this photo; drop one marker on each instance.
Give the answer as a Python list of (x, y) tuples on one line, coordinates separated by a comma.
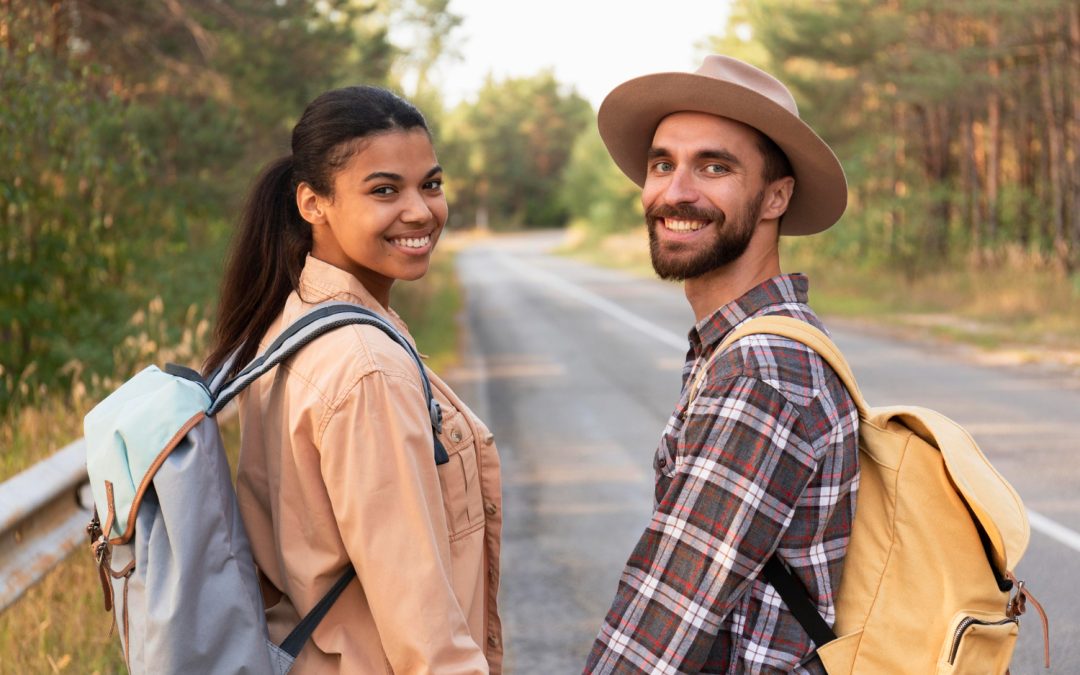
[(778, 290), (322, 282)]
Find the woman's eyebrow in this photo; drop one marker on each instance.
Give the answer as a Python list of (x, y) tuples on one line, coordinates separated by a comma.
[(388, 175)]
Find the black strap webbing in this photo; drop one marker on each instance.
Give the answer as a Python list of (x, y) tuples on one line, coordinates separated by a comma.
[(797, 599), (299, 635)]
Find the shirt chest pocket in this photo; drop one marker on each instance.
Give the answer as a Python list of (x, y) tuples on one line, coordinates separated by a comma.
[(459, 478)]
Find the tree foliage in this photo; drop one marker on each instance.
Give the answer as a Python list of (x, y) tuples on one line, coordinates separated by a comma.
[(954, 120), (507, 150), (128, 135), (600, 197)]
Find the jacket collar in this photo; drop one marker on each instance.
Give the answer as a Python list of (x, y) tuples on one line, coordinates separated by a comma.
[(322, 282)]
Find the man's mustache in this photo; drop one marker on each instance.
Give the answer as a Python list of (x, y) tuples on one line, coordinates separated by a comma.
[(683, 212)]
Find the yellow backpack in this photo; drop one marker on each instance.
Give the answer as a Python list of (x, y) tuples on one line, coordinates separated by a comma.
[(937, 534)]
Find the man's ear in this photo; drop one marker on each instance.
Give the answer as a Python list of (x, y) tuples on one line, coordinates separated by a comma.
[(310, 204), (777, 197)]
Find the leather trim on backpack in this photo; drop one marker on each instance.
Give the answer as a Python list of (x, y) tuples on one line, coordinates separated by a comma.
[(148, 478)]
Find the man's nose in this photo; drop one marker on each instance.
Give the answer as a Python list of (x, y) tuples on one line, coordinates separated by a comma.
[(681, 188)]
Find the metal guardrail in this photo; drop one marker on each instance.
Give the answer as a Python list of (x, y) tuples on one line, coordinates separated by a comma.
[(43, 516)]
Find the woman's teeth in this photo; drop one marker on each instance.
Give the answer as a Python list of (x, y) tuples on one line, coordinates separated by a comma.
[(412, 242)]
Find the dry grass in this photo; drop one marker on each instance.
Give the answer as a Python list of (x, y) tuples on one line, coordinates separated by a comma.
[(60, 625)]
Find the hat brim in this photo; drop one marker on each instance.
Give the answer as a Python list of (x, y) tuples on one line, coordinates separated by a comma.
[(628, 118)]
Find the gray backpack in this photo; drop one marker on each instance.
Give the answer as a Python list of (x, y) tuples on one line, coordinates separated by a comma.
[(173, 556)]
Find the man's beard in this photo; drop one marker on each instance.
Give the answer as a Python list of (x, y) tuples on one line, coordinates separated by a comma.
[(730, 242)]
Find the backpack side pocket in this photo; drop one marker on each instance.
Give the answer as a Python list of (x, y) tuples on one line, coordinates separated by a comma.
[(978, 643)]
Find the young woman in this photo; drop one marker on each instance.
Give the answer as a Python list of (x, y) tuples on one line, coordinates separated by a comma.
[(336, 464)]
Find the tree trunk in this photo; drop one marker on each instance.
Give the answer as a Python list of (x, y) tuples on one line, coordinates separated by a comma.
[(993, 138), (1072, 126), (1054, 141), (969, 181)]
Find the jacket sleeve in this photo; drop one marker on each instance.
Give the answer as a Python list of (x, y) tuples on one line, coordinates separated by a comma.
[(378, 466)]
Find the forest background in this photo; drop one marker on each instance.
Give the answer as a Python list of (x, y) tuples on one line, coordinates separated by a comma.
[(130, 131)]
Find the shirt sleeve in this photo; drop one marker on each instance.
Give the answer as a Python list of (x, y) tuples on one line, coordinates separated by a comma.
[(741, 465), (378, 465)]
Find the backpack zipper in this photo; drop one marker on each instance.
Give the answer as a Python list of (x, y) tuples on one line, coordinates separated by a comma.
[(968, 622)]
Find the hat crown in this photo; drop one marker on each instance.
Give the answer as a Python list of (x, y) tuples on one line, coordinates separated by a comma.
[(727, 69)]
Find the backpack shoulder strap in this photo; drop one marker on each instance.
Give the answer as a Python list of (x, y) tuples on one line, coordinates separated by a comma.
[(318, 321), (794, 329), (786, 584)]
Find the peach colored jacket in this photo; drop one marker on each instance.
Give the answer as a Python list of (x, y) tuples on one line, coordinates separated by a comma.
[(336, 468)]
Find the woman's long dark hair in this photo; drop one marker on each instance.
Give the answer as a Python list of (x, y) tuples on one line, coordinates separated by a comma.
[(268, 249)]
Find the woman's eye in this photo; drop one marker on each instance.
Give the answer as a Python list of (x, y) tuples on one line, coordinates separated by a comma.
[(434, 184), (384, 190)]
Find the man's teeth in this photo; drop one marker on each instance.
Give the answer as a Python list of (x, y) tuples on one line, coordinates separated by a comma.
[(413, 242), (684, 225)]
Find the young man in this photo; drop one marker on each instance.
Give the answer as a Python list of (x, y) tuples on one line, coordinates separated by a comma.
[(764, 460)]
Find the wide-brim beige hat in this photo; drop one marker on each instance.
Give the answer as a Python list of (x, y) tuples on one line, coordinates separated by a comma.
[(730, 88)]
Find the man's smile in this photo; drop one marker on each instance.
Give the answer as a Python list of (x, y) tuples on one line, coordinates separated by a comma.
[(676, 225)]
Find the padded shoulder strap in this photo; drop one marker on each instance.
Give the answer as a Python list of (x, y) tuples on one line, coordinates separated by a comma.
[(318, 321), (794, 329)]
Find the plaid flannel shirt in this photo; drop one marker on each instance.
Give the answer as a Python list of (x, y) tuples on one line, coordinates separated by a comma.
[(764, 460)]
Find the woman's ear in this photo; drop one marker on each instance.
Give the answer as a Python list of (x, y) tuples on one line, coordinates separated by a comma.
[(777, 198), (310, 204)]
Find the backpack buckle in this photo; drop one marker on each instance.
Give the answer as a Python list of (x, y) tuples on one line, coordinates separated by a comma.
[(94, 528), (435, 412)]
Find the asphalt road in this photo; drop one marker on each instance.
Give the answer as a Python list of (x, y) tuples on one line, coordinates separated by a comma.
[(576, 368)]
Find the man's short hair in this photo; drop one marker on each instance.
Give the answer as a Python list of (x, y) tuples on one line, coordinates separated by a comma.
[(776, 162)]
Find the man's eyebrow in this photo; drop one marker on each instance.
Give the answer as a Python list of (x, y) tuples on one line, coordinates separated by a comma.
[(720, 154), (387, 175)]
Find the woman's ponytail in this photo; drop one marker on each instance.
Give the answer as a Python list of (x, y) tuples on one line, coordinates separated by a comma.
[(263, 267)]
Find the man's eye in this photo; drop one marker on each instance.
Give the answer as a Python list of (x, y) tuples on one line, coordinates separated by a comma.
[(663, 166), (716, 168)]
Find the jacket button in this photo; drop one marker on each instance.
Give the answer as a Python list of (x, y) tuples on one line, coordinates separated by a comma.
[(455, 435), (489, 439), (491, 508), (493, 639)]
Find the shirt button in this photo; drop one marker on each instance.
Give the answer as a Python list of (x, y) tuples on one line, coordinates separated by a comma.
[(491, 509), (662, 461), (455, 435), (489, 439), (493, 640)]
